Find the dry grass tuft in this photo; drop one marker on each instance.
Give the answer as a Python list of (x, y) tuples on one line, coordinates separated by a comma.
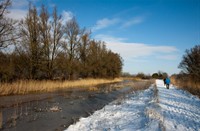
[(55, 109), (31, 86)]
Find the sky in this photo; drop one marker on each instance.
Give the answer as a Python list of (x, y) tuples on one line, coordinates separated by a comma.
[(150, 35)]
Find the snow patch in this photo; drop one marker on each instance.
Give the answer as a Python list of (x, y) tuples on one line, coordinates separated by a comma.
[(167, 109)]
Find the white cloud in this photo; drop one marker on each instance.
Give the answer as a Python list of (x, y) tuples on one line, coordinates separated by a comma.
[(103, 23), (133, 21), (18, 9), (120, 20), (109, 39), (17, 14), (66, 16), (137, 50)]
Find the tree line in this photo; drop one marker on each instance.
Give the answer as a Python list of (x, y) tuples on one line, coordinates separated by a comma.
[(190, 66), (44, 47), (189, 77)]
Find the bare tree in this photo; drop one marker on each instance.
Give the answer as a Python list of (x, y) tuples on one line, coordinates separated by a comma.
[(7, 25), (47, 48), (190, 63), (56, 39), (73, 35), (45, 35), (83, 54), (30, 43), (97, 59)]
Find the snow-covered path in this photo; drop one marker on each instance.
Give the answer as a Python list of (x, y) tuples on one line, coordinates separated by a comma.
[(153, 109), (181, 110)]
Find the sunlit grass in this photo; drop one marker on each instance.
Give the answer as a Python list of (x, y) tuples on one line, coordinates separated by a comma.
[(31, 86), (188, 85)]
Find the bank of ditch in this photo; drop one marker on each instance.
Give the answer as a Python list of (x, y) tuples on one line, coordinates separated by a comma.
[(57, 110)]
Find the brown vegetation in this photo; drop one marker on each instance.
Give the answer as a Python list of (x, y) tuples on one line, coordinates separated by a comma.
[(142, 84), (47, 48), (189, 78), (186, 83), (31, 86)]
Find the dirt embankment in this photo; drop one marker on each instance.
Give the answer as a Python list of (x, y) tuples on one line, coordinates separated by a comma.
[(57, 110)]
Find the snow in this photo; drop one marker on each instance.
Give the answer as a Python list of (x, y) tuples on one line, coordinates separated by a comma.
[(153, 109)]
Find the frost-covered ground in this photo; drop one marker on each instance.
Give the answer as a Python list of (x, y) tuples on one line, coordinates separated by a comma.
[(152, 109)]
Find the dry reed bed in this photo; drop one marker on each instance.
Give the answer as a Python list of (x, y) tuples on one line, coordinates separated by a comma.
[(188, 85), (31, 86)]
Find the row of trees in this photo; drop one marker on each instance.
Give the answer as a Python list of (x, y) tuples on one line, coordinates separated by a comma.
[(190, 66), (190, 63), (189, 77), (47, 48), (141, 75), (160, 75)]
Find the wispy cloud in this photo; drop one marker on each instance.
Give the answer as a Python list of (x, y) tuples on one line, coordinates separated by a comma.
[(105, 22), (18, 9), (119, 21), (17, 14), (135, 50), (109, 39), (66, 16), (138, 50), (133, 21)]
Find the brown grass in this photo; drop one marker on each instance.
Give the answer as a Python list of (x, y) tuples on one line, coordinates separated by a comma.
[(31, 86), (133, 78), (137, 84), (143, 84), (188, 85)]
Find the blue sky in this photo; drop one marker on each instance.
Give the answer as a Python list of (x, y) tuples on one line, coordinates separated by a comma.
[(150, 35)]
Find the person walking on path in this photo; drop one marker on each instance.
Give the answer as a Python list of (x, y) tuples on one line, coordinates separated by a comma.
[(167, 82), (164, 81)]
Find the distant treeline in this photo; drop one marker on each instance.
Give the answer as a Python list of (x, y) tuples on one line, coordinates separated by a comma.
[(141, 75), (44, 47)]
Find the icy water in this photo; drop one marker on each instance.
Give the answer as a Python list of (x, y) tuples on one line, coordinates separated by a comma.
[(55, 111), (155, 109)]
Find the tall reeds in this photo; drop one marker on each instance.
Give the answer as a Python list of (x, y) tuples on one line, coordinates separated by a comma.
[(32, 86), (187, 84)]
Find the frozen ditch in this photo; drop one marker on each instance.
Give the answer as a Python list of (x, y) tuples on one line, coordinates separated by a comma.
[(151, 109)]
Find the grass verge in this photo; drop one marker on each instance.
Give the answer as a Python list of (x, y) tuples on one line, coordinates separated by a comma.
[(33, 86)]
